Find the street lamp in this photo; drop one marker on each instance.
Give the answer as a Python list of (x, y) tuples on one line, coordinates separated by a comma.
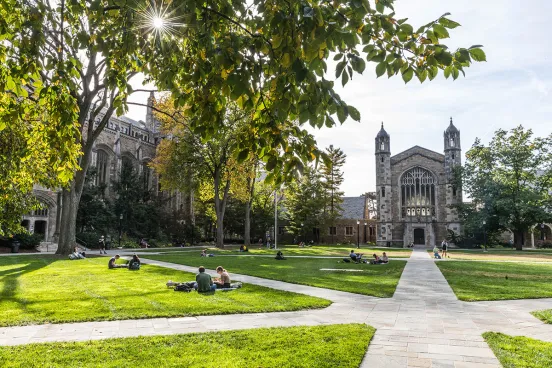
[(358, 234), (485, 234), (120, 228), (542, 231), (302, 232), (365, 240)]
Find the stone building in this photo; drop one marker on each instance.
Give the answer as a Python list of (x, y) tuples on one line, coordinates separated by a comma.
[(123, 139), (415, 190)]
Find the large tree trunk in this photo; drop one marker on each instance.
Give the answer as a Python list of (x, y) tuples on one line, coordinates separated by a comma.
[(518, 239)]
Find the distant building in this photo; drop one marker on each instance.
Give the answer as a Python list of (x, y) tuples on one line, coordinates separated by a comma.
[(123, 139), (415, 191)]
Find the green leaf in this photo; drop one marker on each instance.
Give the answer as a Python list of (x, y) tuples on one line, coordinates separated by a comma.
[(344, 78), (243, 155), (338, 57), (271, 164), (341, 114), (447, 71), (339, 68), (448, 23), (407, 28), (478, 54), (380, 69), (440, 31), (407, 75), (353, 113), (422, 76), (379, 7)]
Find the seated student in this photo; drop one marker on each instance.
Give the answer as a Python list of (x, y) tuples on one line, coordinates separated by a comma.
[(376, 259), (222, 282), (112, 262), (436, 253), (280, 256), (384, 258), (134, 263), (203, 282), (205, 254), (243, 248), (356, 257), (77, 254)]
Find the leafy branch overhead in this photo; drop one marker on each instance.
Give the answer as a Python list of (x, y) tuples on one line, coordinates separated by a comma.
[(271, 58)]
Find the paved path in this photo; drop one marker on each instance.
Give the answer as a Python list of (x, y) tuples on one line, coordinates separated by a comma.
[(423, 325)]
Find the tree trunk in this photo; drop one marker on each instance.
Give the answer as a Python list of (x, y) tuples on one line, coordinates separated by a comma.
[(518, 239), (247, 230)]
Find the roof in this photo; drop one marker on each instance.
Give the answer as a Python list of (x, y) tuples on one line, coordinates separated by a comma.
[(417, 150), (353, 208), (451, 128), (382, 132)]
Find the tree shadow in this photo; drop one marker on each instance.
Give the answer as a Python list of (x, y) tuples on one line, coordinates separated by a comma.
[(10, 278)]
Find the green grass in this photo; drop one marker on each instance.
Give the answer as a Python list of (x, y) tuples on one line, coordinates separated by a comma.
[(375, 280), (49, 289), (320, 346), (544, 315), (503, 254), (472, 281), (293, 250), (520, 351)]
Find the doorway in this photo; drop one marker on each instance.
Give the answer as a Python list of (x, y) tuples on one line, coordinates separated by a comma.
[(40, 228), (419, 236)]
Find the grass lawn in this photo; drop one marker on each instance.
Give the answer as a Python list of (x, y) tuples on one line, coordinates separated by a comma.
[(320, 346), (544, 315), (537, 255), (294, 250), (472, 281), (375, 280), (40, 289), (520, 351)]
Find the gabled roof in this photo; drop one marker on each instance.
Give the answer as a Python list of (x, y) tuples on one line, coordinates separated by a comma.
[(417, 150), (353, 208)]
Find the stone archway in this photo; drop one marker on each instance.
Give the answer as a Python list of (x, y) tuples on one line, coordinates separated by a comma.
[(540, 233)]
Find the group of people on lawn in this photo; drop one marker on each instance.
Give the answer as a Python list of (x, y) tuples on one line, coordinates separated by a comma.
[(133, 264), (357, 257)]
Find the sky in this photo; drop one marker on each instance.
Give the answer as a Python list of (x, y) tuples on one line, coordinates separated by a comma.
[(513, 87)]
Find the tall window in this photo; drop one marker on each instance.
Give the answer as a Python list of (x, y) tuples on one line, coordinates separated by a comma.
[(349, 230), (418, 193), (333, 230), (147, 175), (383, 191), (101, 165)]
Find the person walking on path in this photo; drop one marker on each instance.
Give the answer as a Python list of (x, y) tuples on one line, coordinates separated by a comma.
[(101, 244), (444, 246)]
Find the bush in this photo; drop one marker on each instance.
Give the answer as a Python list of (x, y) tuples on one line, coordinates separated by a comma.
[(89, 239), (28, 241), (543, 244)]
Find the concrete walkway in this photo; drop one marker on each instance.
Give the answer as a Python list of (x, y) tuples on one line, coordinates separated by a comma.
[(423, 325)]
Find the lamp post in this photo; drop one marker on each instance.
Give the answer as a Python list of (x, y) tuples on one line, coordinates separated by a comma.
[(120, 228), (358, 234), (485, 234), (302, 232), (365, 240), (542, 231)]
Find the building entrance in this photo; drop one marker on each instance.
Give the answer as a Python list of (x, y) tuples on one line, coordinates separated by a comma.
[(419, 236)]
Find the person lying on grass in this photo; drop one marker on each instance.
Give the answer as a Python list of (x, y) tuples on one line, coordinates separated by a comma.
[(222, 282), (112, 263), (204, 283)]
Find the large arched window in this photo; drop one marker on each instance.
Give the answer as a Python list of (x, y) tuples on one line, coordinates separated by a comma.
[(418, 193), (101, 165)]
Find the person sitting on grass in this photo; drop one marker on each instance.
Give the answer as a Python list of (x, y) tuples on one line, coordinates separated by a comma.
[(77, 254), (112, 262), (243, 248), (384, 258), (356, 257), (204, 253), (280, 256), (376, 259), (222, 282), (204, 283), (134, 263), (436, 253)]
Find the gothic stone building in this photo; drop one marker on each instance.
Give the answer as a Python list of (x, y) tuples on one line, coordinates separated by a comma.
[(415, 191), (123, 139)]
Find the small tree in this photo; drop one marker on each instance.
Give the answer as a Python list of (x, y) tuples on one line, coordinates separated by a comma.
[(332, 177), (509, 181), (305, 203)]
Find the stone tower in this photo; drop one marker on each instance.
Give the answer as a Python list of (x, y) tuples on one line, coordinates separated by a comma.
[(383, 188), (453, 158), (151, 124)]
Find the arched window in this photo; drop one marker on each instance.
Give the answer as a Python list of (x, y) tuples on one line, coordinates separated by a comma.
[(147, 175), (418, 193), (382, 145), (101, 166)]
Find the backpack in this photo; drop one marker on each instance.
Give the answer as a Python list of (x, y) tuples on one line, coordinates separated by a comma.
[(183, 287), (134, 266)]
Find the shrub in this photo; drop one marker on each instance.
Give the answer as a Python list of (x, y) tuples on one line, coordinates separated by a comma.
[(542, 244), (88, 239)]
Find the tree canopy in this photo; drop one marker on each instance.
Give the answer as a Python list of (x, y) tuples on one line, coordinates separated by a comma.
[(509, 182), (73, 59)]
